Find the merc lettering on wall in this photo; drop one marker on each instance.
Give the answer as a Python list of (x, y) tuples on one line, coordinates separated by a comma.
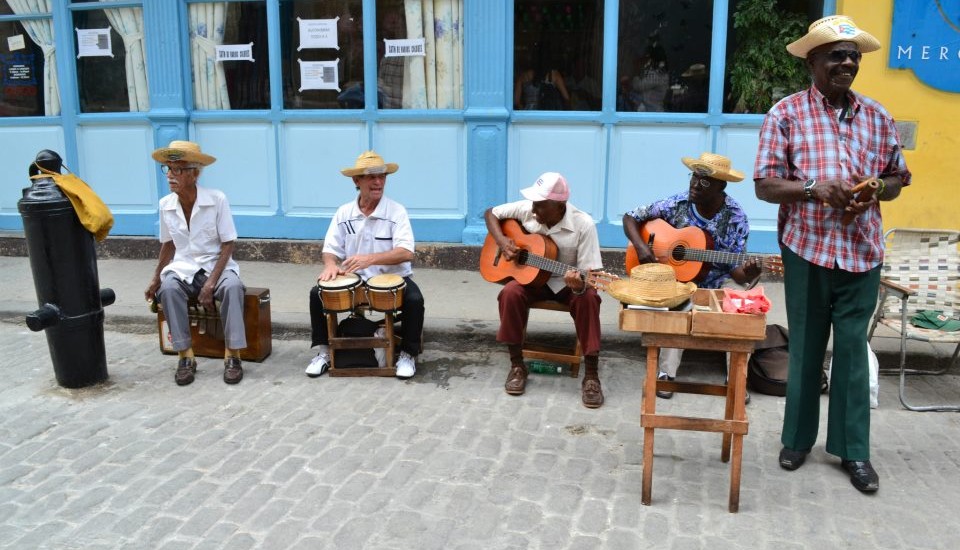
[(926, 39)]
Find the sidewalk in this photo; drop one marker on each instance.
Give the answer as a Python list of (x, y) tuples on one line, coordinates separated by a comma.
[(445, 460)]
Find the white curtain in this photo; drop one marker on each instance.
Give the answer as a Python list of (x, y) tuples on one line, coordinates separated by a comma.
[(207, 27), (128, 22), (41, 32), (435, 81)]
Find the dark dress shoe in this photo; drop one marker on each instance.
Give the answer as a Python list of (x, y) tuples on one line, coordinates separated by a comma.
[(791, 460), (516, 380), (591, 394), (186, 368), (862, 475), (232, 370), (663, 394)]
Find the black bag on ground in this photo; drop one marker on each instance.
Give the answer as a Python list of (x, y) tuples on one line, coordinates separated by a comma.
[(769, 363), (355, 326)]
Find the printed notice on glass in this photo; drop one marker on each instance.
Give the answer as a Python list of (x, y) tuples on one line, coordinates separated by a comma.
[(403, 48), (94, 43), (319, 75), (16, 42), (318, 33), (235, 52)]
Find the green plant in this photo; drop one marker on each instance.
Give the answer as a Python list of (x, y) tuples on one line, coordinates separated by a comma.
[(761, 64)]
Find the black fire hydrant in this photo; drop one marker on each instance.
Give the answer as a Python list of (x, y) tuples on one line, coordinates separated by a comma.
[(63, 259)]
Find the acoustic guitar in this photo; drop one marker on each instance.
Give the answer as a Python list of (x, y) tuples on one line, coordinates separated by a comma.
[(688, 251), (535, 262)]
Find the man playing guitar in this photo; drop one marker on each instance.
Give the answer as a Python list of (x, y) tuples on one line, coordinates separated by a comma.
[(705, 205), (546, 212)]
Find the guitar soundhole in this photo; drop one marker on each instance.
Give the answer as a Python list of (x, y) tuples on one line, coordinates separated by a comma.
[(522, 257), (678, 253)]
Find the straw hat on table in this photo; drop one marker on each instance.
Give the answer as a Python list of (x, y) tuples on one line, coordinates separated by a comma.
[(652, 285)]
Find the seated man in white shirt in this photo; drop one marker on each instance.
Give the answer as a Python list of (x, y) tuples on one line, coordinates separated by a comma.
[(197, 239), (370, 236)]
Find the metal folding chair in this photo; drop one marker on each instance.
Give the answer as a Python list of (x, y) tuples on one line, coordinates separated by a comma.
[(921, 271)]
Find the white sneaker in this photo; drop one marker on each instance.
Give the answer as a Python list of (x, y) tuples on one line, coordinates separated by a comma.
[(319, 364), (406, 366)]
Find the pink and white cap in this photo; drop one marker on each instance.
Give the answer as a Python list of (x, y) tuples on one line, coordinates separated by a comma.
[(549, 186)]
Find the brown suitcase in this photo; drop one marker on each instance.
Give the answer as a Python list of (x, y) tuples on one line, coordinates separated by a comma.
[(207, 336)]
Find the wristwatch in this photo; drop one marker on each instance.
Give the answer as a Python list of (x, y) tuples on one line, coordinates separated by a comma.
[(808, 188)]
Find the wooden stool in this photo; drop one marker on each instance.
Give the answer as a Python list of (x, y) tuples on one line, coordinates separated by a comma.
[(362, 342), (734, 424), (544, 352)]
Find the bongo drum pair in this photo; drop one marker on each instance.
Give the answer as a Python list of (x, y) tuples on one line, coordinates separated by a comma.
[(346, 292)]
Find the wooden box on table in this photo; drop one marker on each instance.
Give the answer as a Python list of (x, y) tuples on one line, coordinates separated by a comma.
[(706, 319), (207, 334)]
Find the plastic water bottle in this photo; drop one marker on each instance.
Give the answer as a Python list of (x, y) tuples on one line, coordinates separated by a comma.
[(546, 367)]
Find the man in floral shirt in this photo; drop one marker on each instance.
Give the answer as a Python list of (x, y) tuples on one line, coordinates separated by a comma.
[(706, 206)]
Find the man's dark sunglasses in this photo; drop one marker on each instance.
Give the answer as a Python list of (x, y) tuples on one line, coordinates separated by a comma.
[(839, 56)]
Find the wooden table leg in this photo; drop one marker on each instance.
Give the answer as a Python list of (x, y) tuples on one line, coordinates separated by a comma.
[(649, 407), (738, 378)]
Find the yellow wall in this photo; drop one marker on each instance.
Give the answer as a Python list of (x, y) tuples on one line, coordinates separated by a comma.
[(933, 200)]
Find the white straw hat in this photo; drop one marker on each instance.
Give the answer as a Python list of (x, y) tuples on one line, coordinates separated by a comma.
[(370, 163), (835, 28)]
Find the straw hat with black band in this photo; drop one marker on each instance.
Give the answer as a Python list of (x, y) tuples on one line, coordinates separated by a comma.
[(652, 285), (186, 151), (835, 28), (713, 165)]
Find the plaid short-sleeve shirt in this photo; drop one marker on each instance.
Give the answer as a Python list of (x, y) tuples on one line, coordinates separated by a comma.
[(804, 137)]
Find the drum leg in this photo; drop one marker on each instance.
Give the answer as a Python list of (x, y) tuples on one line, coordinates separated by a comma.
[(388, 334), (331, 334)]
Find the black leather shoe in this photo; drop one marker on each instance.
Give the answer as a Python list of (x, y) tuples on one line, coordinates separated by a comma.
[(232, 370), (186, 368), (662, 394), (791, 460), (862, 475)]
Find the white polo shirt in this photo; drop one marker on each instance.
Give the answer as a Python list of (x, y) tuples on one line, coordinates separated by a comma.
[(351, 233), (575, 236), (198, 247)]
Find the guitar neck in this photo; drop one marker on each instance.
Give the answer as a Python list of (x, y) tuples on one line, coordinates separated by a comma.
[(717, 256), (546, 264)]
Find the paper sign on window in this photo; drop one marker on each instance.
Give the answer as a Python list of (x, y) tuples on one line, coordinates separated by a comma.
[(403, 48), (94, 43), (319, 75), (318, 33), (15, 42), (235, 52)]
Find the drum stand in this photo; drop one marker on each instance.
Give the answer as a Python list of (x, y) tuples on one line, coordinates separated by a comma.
[(358, 342)]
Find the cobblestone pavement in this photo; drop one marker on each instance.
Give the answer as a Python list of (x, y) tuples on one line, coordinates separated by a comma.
[(444, 460)]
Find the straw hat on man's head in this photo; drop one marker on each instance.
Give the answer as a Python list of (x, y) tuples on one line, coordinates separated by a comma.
[(835, 28), (713, 166), (652, 285), (370, 163), (186, 151)]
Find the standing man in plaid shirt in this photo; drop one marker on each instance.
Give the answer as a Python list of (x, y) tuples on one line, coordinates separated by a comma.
[(815, 145)]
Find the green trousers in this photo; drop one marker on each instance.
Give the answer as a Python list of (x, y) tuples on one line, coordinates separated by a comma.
[(818, 299)]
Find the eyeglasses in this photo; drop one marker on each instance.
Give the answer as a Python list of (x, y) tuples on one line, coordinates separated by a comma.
[(175, 169), (839, 56), (702, 182)]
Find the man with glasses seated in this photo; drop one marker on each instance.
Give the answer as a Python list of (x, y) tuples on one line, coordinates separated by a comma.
[(197, 239), (371, 235), (707, 206)]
